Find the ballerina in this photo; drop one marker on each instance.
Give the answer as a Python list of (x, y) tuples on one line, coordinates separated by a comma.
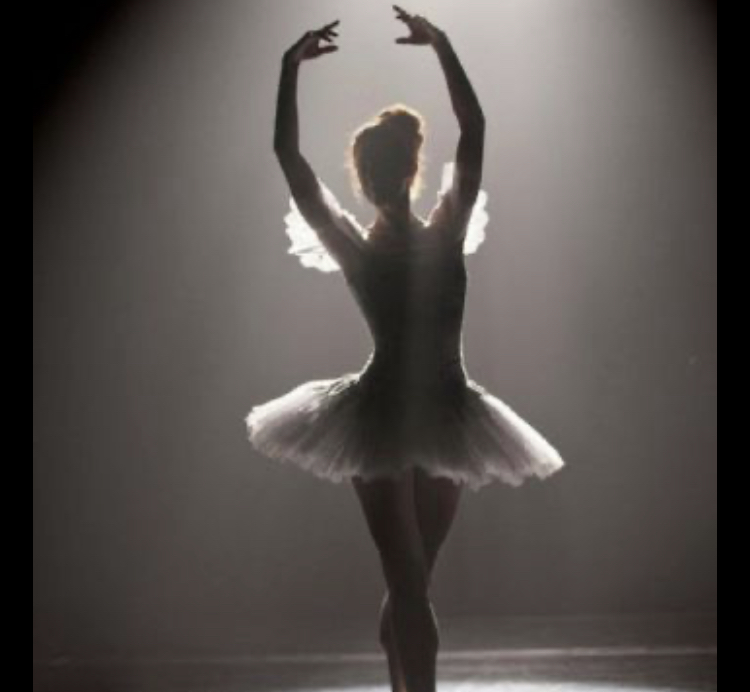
[(411, 429)]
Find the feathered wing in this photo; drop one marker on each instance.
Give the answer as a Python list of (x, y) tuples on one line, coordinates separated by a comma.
[(476, 232), (305, 243)]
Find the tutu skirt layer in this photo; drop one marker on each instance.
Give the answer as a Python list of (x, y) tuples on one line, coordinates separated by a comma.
[(364, 425)]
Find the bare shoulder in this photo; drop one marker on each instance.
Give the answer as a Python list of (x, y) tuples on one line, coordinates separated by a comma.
[(448, 224)]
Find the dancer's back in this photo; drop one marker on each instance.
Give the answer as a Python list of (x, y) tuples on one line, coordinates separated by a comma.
[(412, 296)]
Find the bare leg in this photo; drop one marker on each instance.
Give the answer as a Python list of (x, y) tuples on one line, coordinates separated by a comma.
[(436, 502), (409, 519), (388, 642)]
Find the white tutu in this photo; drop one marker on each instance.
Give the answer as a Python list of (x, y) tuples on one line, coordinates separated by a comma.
[(355, 425)]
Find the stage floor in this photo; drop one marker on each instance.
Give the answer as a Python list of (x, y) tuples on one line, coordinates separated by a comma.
[(529, 655)]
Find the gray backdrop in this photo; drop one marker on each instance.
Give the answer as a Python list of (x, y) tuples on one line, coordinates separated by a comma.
[(165, 306)]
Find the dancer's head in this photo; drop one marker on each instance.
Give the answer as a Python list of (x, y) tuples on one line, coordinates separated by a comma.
[(385, 156)]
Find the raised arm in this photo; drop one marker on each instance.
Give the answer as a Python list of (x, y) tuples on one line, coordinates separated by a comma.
[(341, 241), (460, 200)]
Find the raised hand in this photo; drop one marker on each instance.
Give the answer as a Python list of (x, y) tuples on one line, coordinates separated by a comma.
[(312, 45), (422, 31)]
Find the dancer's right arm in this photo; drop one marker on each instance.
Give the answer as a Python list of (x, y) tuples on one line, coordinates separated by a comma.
[(340, 241)]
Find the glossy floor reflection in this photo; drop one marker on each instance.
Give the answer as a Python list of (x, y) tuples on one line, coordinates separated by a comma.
[(531, 656)]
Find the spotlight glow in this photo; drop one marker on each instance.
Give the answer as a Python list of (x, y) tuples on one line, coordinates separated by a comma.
[(511, 686)]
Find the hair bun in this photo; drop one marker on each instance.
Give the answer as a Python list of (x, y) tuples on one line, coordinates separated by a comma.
[(386, 152), (401, 120)]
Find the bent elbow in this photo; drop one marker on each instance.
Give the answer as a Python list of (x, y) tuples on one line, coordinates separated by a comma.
[(285, 153), (280, 148), (474, 125), (479, 122), (283, 145)]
